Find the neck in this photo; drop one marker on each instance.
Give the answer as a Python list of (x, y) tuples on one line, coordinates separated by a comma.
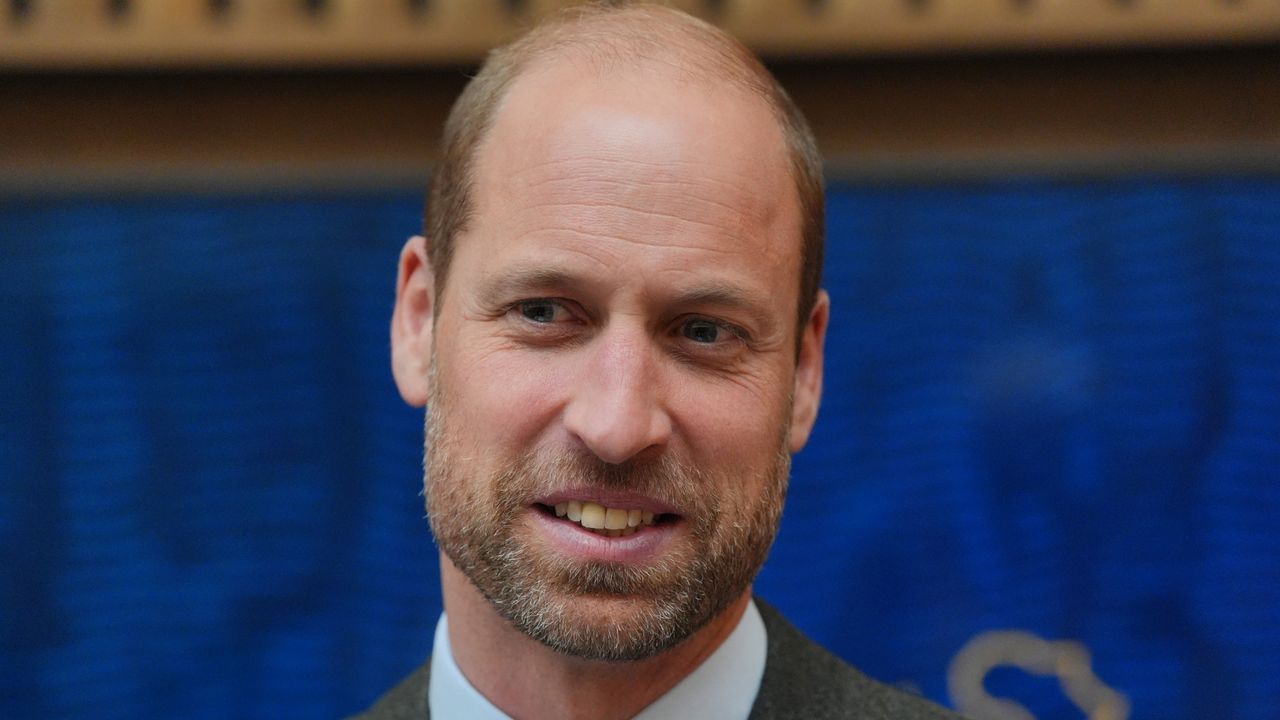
[(525, 679)]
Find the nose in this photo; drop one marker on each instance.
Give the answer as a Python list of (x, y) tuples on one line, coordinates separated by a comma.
[(616, 410)]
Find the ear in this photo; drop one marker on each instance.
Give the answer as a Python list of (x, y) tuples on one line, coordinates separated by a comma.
[(808, 390), (412, 322)]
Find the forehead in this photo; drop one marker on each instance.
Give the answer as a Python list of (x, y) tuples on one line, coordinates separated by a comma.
[(631, 156)]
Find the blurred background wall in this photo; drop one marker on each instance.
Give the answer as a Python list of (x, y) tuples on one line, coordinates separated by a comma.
[(1053, 402)]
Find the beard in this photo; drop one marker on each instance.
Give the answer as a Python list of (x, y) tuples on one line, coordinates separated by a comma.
[(598, 610)]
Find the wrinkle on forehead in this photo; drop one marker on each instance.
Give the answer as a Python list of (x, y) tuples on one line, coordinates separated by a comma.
[(640, 156), (624, 227), (593, 178), (634, 100)]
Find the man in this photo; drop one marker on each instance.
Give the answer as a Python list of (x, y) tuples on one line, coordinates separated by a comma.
[(616, 328)]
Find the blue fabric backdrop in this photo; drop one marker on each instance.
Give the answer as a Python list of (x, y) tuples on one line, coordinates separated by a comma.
[(1051, 406)]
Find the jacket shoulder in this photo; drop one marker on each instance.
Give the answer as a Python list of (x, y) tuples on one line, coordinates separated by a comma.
[(406, 701), (803, 680)]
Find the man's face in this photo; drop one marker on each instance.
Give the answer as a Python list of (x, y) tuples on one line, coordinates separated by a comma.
[(616, 346)]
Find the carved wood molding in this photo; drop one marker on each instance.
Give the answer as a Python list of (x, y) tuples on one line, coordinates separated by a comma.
[(916, 118), (93, 34)]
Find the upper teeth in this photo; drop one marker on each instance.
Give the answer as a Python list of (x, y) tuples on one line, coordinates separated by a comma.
[(606, 520)]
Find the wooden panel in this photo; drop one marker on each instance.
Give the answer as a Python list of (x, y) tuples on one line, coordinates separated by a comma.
[(1059, 114), (93, 34), (910, 118), (827, 27)]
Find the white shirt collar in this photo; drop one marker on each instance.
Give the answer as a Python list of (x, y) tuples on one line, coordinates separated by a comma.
[(723, 687)]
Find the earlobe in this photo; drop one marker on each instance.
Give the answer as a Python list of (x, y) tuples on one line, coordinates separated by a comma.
[(808, 389), (412, 322)]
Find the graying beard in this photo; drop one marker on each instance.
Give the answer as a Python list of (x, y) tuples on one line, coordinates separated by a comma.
[(506, 576)]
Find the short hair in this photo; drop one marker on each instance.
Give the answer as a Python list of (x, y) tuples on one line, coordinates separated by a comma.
[(613, 31)]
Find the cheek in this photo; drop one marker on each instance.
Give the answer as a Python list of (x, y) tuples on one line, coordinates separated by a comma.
[(503, 400), (732, 427)]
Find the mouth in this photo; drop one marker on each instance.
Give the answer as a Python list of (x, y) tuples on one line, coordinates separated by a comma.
[(606, 520)]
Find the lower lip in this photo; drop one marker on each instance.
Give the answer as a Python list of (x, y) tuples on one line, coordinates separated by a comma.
[(570, 538)]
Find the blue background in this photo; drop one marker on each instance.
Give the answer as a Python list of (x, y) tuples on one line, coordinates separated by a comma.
[(1050, 405)]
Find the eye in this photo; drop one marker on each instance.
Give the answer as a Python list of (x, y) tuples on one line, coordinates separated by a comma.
[(540, 311), (545, 322), (704, 332)]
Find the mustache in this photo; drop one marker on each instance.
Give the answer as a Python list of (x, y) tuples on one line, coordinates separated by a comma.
[(538, 474)]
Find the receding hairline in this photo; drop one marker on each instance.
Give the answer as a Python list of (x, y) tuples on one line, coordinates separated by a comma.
[(608, 37), (602, 59), (611, 36)]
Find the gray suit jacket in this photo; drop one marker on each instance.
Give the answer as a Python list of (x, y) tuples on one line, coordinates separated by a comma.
[(801, 681)]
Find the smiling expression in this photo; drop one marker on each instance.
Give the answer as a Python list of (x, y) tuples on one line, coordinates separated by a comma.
[(614, 374)]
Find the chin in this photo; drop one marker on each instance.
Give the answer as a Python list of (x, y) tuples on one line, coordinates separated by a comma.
[(606, 627)]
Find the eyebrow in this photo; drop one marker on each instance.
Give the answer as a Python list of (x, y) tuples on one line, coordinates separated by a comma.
[(729, 296), (525, 279), (713, 294)]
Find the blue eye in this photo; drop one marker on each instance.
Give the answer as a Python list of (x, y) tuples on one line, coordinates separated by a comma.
[(702, 331), (539, 311)]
